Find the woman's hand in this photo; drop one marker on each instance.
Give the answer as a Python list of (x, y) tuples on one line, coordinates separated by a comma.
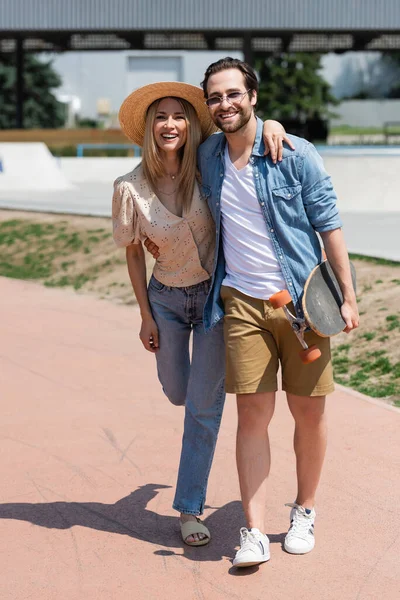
[(274, 135), (149, 334)]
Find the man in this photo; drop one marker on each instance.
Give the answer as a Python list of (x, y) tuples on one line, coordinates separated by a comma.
[(267, 216)]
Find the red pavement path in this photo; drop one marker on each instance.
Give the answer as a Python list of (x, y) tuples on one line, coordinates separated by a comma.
[(89, 455)]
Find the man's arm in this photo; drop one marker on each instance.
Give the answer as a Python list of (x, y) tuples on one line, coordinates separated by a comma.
[(319, 200), (337, 255), (319, 197)]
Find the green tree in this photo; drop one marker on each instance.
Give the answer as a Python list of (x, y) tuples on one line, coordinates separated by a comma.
[(41, 108), (393, 60), (292, 87)]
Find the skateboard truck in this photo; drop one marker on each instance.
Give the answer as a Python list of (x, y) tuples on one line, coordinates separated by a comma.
[(309, 353)]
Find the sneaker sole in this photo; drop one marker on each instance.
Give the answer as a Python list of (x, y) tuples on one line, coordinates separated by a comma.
[(250, 564), (297, 551)]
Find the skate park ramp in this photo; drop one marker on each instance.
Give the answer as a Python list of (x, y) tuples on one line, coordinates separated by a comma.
[(30, 167), (366, 180)]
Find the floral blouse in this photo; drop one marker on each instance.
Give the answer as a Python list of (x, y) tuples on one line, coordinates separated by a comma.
[(186, 244)]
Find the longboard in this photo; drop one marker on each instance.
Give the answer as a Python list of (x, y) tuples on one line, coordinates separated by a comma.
[(322, 300)]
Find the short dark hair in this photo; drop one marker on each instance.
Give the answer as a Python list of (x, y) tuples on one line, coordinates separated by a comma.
[(231, 63)]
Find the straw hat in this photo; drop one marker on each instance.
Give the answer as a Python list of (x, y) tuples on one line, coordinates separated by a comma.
[(132, 114)]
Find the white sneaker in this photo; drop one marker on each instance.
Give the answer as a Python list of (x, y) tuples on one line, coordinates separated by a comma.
[(254, 548), (300, 537)]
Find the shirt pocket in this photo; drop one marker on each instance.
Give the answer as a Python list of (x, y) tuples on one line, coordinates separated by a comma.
[(287, 193)]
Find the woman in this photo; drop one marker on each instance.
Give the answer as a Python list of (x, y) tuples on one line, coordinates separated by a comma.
[(161, 200)]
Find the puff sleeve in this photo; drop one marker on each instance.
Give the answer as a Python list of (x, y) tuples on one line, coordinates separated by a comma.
[(124, 216)]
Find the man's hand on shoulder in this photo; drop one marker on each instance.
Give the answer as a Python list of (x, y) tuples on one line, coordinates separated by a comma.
[(152, 248)]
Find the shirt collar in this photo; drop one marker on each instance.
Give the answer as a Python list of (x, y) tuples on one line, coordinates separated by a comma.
[(259, 147)]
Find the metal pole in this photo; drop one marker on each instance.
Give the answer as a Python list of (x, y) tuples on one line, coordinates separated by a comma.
[(248, 50), (20, 84)]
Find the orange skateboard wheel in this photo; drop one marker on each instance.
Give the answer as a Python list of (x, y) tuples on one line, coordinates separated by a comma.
[(309, 355), (280, 299)]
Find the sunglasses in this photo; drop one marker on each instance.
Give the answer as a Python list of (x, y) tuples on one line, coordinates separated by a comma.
[(232, 98)]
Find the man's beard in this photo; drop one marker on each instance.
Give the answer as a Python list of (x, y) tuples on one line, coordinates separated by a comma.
[(244, 118)]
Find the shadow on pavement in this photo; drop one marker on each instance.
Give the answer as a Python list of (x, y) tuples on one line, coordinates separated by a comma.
[(129, 516)]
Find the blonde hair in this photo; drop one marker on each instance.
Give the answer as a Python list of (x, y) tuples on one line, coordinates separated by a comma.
[(152, 164)]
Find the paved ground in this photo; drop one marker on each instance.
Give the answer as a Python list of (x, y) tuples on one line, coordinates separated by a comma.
[(374, 233), (89, 454)]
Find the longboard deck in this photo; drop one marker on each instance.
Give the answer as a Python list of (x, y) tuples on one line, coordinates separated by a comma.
[(322, 300)]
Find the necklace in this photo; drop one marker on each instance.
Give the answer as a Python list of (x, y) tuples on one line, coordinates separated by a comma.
[(166, 193), (172, 176)]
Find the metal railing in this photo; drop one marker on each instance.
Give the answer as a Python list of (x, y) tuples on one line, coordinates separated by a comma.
[(391, 129), (80, 148)]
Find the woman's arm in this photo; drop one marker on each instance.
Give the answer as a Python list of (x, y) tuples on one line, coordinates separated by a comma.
[(136, 262), (274, 135)]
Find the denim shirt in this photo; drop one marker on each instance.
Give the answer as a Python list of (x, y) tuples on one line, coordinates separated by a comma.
[(297, 200)]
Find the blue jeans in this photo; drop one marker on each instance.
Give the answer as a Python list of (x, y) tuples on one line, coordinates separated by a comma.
[(194, 381)]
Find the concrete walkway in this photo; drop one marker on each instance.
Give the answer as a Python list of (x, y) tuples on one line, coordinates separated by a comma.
[(89, 453)]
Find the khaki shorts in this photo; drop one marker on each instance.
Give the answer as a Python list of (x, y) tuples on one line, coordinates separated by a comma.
[(258, 338)]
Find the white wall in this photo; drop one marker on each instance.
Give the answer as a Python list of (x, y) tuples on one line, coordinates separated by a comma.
[(94, 75), (366, 113), (142, 70)]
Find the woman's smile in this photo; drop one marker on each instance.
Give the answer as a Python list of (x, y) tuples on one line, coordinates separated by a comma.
[(170, 127)]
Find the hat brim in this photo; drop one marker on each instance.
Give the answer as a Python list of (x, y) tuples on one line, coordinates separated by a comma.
[(133, 111)]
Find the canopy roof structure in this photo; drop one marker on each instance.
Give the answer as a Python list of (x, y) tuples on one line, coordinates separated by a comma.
[(253, 26)]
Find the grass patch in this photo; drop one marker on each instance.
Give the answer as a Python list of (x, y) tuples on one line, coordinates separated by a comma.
[(371, 373), (375, 260), (343, 348), (376, 353), (52, 253), (24, 271), (369, 335), (61, 282), (350, 130), (393, 322), (379, 391), (65, 265)]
